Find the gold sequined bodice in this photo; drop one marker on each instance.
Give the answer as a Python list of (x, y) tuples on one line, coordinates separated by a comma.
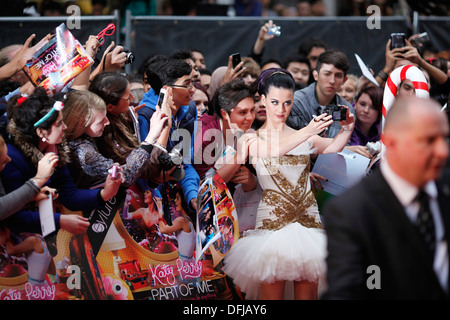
[(287, 196)]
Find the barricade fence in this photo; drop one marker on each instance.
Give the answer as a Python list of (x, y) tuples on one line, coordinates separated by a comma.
[(218, 37)]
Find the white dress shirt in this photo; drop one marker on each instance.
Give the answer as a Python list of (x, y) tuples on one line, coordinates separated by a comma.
[(406, 193)]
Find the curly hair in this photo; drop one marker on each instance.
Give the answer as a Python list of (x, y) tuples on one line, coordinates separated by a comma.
[(22, 119)]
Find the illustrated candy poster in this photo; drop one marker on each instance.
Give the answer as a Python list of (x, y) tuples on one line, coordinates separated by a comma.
[(136, 261), (60, 58)]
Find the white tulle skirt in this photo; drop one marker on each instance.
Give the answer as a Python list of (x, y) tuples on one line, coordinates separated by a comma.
[(292, 253)]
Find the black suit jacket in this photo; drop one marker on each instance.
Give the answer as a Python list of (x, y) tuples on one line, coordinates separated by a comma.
[(367, 226)]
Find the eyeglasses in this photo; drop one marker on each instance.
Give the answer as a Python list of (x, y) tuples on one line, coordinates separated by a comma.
[(130, 98), (188, 86)]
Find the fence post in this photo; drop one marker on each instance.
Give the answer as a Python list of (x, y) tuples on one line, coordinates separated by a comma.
[(415, 25), (128, 44)]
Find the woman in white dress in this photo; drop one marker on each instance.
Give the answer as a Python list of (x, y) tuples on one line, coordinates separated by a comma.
[(288, 243)]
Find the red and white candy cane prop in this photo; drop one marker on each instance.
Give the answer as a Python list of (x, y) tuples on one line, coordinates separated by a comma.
[(396, 77)]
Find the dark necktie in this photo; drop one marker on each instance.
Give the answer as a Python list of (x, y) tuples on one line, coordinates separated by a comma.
[(425, 223)]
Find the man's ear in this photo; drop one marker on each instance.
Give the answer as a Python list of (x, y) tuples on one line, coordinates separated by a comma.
[(224, 114), (315, 75), (389, 140)]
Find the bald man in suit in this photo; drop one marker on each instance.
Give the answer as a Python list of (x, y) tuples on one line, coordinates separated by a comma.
[(375, 249)]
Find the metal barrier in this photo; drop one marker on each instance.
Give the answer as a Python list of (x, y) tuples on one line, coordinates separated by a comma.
[(15, 30), (438, 28), (218, 37)]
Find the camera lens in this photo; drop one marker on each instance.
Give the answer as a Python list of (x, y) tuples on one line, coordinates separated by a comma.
[(130, 57)]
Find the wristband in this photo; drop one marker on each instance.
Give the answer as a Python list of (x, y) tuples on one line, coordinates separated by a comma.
[(383, 75), (159, 146)]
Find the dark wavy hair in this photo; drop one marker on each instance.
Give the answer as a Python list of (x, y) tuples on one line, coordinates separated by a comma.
[(31, 110), (21, 129), (110, 86), (229, 95)]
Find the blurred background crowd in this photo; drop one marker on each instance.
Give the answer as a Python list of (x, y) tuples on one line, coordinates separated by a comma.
[(263, 8)]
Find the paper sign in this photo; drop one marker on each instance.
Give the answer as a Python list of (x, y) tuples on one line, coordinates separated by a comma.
[(46, 216), (343, 170), (365, 71)]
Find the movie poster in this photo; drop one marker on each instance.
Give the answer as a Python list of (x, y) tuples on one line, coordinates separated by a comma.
[(60, 59), (136, 260), (217, 222)]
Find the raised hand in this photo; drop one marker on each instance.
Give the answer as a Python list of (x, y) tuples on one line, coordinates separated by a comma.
[(319, 123)]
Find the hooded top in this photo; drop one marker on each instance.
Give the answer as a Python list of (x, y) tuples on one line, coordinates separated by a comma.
[(184, 126)]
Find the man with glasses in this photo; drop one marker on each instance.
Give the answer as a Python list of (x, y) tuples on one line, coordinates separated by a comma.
[(176, 74)]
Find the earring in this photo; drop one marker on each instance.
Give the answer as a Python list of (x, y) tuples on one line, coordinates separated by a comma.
[(44, 140)]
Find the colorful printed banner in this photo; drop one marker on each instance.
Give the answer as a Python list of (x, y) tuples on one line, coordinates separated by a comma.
[(135, 260), (60, 59), (217, 222)]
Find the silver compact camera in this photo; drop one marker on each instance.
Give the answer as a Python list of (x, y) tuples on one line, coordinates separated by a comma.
[(274, 30), (373, 147)]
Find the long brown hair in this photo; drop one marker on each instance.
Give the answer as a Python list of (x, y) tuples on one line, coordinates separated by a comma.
[(118, 139), (79, 110)]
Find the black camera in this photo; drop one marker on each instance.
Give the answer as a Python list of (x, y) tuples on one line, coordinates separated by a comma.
[(130, 56), (171, 159), (337, 113), (398, 40)]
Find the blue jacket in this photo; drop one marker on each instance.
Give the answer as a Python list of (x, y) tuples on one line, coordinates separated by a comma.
[(185, 119), (19, 170)]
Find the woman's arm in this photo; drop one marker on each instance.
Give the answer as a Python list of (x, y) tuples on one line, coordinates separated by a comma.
[(413, 55), (177, 224), (17, 199), (338, 143), (19, 60), (81, 81), (94, 164), (275, 147), (31, 243)]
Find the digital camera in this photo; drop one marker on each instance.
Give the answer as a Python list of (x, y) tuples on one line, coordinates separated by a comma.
[(130, 56), (171, 159), (337, 113), (274, 30), (373, 147)]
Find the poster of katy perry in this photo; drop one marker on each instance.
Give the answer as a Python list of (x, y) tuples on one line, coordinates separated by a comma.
[(130, 252), (217, 222)]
